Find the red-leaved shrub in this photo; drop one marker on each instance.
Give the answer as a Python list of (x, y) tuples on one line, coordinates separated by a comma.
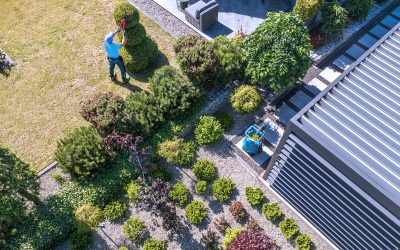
[(221, 224), (251, 240), (237, 210)]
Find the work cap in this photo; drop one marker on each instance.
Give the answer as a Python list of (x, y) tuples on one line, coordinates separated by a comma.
[(109, 37)]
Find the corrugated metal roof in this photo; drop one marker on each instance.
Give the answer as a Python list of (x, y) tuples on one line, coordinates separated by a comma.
[(358, 117)]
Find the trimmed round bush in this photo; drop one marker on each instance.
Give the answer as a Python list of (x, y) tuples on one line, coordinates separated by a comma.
[(245, 99), (88, 214), (105, 112), (134, 35), (80, 153), (303, 242), (195, 212), (272, 211), (359, 9), (230, 235), (139, 57), (334, 18), (222, 189), (307, 9), (204, 170), (201, 187), (254, 196), (179, 193), (175, 94), (177, 151), (251, 239), (143, 111), (114, 210), (133, 190), (208, 130), (225, 118), (81, 239), (288, 228), (154, 245), (134, 229), (125, 9), (277, 56)]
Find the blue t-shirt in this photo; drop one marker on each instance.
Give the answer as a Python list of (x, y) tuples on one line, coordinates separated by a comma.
[(112, 49)]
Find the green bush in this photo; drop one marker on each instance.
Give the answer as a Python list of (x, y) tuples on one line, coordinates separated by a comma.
[(288, 228), (139, 57), (185, 42), (204, 170), (230, 235), (195, 212), (88, 214), (278, 56), (160, 172), (179, 193), (133, 192), (114, 210), (245, 99), (208, 130), (272, 211), (125, 9), (134, 229), (307, 9), (198, 62), (57, 177), (143, 111), (154, 245), (201, 187), (222, 189), (134, 35), (225, 118), (334, 18), (81, 239), (359, 9), (254, 196), (230, 56), (174, 93), (105, 112), (80, 153), (123, 248), (177, 151), (303, 242)]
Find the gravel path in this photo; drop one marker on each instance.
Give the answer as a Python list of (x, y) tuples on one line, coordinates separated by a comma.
[(163, 18)]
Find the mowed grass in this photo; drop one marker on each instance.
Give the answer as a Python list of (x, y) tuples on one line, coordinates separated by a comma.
[(58, 51)]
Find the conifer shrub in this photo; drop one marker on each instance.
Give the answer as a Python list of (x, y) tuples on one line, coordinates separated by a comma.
[(88, 214), (134, 35), (177, 151), (80, 153), (151, 244), (201, 187), (307, 9), (222, 189), (195, 212), (359, 9), (254, 196), (245, 99), (288, 228), (179, 193), (134, 229), (204, 170), (334, 18), (125, 9), (272, 211), (208, 130)]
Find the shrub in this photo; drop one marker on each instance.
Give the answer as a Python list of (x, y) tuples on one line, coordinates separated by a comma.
[(134, 35), (307, 9), (174, 93), (272, 211), (222, 189), (245, 99), (225, 118), (237, 210), (201, 187), (133, 191), (195, 212), (230, 57), (208, 130), (154, 245), (198, 61), (231, 234), (143, 111), (210, 239), (250, 239), (105, 112), (134, 229), (160, 172), (334, 18), (124, 9), (204, 170), (221, 224), (179, 193), (177, 151), (303, 242), (276, 56), (253, 224), (57, 177), (139, 57), (185, 42), (114, 210), (288, 228), (80, 153), (81, 239), (123, 248), (88, 214), (317, 39), (254, 196), (359, 9)]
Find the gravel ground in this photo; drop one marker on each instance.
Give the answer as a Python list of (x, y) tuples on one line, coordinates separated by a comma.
[(49, 186), (162, 17)]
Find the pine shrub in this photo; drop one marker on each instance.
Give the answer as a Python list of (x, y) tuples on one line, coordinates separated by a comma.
[(151, 244), (208, 130), (88, 214), (134, 229), (177, 151), (125, 9), (303, 242), (201, 187), (334, 18), (288, 228), (222, 189), (359, 9), (195, 212), (204, 170), (179, 193), (245, 99), (254, 196), (80, 153), (272, 211), (114, 210)]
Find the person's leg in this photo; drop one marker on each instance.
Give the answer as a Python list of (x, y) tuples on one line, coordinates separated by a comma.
[(121, 66), (112, 66)]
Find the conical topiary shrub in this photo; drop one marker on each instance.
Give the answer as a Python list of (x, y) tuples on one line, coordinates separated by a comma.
[(140, 50)]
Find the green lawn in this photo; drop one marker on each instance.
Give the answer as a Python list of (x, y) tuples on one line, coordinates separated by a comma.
[(57, 48)]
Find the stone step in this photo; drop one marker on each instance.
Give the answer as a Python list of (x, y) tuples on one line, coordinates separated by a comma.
[(329, 74)]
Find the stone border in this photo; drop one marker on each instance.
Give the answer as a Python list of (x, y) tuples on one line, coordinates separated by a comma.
[(47, 169)]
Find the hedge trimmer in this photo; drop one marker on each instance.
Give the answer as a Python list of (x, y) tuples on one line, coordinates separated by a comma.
[(122, 23)]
